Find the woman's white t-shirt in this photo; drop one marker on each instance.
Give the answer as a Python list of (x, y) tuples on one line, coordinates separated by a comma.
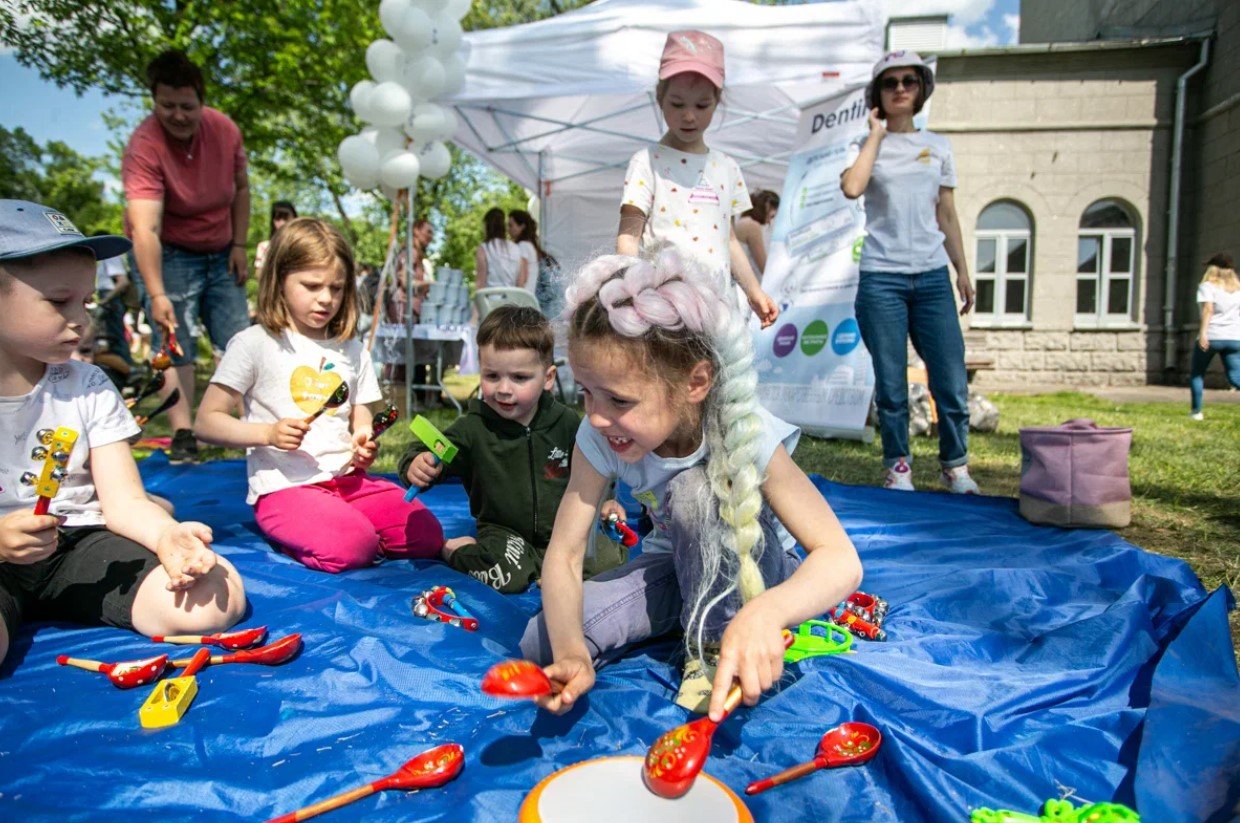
[(530, 255), (689, 201), (1225, 321), (290, 375), (901, 223), (503, 263)]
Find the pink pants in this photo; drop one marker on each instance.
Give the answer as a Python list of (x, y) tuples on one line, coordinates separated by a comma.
[(348, 522)]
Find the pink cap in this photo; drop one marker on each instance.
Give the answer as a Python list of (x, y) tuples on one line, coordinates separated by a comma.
[(695, 51)]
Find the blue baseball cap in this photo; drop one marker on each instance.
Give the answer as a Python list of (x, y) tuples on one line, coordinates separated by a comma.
[(27, 229)]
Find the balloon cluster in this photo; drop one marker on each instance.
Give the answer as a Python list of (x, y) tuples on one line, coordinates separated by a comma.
[(422, 60)]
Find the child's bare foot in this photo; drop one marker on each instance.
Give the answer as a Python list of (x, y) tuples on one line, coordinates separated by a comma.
[(455, 543)]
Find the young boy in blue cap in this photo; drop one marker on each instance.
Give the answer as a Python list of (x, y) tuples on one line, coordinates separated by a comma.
[(104, 554)]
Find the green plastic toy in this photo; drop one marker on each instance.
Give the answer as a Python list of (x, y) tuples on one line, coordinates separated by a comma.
[(834, 639), (441, 448), (1061, 811)]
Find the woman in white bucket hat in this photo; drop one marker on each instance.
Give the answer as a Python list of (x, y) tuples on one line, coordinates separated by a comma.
[(908, 176)]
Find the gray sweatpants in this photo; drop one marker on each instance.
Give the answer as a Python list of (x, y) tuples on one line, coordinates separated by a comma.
[(643, 599)]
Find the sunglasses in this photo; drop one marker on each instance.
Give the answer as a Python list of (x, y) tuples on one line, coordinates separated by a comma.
[(909, 81)]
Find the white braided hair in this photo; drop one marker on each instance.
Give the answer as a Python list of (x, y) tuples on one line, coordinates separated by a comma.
[(675, 310)]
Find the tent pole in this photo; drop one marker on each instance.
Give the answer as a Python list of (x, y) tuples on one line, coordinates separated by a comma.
[(409, 366)]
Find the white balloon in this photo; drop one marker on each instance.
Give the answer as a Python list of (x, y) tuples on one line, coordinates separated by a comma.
[(389, 192), (386, 141), (431, 7), (383, 59), (400, 170), (449, 125), (424, 77), (426, 124), (363, 183), (458, 8), (413, 30), (435, 159), (390, 104), (390, 13), (445, 35), (359, 98), (358, 157), (454, 74)]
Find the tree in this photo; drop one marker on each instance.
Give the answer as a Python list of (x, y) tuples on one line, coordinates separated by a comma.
[(55, 175)]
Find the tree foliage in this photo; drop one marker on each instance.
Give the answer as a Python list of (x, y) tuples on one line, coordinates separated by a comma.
[(55, 175), (282, 71)]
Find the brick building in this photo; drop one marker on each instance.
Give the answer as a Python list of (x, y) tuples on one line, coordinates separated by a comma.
[(1066, 148)]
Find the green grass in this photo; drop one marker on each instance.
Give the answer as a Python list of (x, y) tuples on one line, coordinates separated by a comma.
[(1185, 474)]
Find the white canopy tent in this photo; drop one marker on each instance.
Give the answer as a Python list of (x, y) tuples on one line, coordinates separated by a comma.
[(562, 104)]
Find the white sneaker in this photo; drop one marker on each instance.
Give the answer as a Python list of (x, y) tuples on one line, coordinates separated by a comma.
[(957, 481), (1197, 416), (899, 477)]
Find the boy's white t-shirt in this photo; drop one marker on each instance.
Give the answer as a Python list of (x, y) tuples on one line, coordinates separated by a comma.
[(689, 200), (290, 375), (648, 478), (529, 254), (901, 224), (1225, 322), (78, 396)]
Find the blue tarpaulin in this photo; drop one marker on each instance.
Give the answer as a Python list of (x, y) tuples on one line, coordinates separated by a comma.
[(1023, 663)]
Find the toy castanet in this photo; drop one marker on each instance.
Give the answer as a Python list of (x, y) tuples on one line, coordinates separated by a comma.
[(848, 744), (441, 448), (152, 386), (240, 639), (675, 759), (516, 679), (441, 604), (618, 530), (273, 654), (124, 675), (806, 642), (169, 402), (54, 449), (611, 789), (428, 770), (383, 421), (334, 401), (170, 699)]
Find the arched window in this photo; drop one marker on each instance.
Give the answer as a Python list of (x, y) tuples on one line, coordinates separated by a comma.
[(1003, 237), (1105, 264)]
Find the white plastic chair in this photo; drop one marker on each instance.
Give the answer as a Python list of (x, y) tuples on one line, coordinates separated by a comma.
[(489, 299)]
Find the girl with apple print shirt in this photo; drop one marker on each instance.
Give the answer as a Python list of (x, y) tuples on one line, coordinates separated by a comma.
[(307, 481)]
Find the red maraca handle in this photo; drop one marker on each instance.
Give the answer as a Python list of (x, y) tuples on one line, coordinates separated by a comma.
[(41, 505)]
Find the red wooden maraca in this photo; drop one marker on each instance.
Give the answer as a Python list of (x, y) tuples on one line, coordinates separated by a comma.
[(428, 770), (240, 639), (677, 757), (123, 675), (848, 744), (517, 679), (273, 654)]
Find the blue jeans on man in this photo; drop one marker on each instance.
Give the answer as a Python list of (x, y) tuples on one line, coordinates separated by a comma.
[(893, 307), (204, 295)]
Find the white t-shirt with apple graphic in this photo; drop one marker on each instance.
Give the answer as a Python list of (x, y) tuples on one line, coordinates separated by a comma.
[(290, 375)]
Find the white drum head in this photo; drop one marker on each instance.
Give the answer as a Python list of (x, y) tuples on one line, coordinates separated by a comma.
[(610, 790)]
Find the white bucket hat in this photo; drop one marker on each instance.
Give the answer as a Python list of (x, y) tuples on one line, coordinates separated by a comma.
[(899, 60)]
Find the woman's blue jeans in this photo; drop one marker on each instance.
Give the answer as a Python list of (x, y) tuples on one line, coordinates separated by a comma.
[(891, 308), (1229, 350)]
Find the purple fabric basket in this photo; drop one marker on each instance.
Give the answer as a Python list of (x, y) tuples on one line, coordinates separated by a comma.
[(1075, 474)]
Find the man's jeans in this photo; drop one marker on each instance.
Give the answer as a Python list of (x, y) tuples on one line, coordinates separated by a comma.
[(204, 294), (892, 307)]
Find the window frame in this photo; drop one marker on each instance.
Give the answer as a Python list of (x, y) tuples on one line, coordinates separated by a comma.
[(1102, 279), (1003, 238)]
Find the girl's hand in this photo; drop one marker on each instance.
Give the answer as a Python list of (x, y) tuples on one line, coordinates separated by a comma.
[(1203, 343), (26, 537), (287, 434), (752, 652), (184, 550), (364, 449), (423, 470), (570, 679), (965, 286), (764, 307), (877, 129), (611, 507)]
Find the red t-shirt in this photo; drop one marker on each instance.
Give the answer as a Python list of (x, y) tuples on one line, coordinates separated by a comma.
[(197, 183)]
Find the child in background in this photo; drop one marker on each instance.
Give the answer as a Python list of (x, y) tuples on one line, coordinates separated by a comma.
[(679, 192), (669, 389), (104, 554), (282, 211), (513, 457), (308, 481)]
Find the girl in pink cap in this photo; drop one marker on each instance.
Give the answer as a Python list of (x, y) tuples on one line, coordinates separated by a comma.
[(681, 193)]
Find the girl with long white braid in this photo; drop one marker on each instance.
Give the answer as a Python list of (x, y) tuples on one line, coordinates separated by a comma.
[(665, 367)]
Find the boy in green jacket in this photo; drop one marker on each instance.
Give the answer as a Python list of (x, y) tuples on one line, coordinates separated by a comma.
[(514, 447)]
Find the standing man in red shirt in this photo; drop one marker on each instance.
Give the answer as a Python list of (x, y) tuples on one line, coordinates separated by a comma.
[(188, 212)]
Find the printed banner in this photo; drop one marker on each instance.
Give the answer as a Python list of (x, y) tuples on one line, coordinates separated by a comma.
[(813, 370)]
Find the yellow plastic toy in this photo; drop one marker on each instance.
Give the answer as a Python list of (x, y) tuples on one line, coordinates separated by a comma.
[(171, 698)]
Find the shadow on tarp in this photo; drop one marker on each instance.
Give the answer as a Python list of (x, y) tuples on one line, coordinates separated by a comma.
[(1023, 661)]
